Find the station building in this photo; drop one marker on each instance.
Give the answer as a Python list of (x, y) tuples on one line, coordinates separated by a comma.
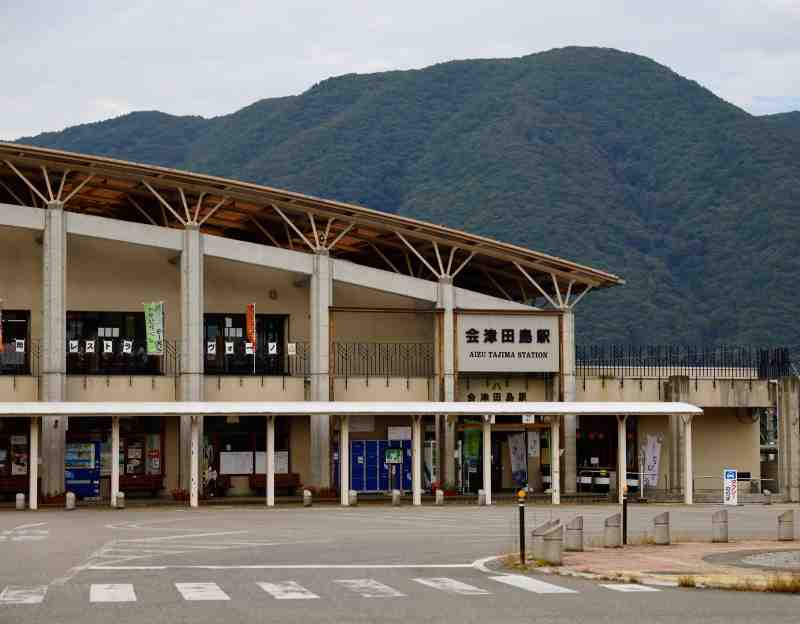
[(122, 282)]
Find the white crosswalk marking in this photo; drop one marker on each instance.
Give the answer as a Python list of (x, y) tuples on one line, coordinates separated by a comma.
[(531, 584), (451, 586), (23, 595), (630, 587), (201, 591), (112, 592), (288, 590), (370, 588)]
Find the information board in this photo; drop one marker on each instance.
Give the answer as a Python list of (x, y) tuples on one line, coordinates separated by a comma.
[(236, 463), (730, 487)]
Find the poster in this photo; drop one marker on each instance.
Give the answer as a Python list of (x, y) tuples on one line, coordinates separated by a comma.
[(19, 346), (127, 347), (251, 324), (730, 490), (89, 346), (519, 461), (19, 455), (281, 462), (211, 347), (533, 444), (398, 433), (236, 463), (651, 457), (108, 346), (154, 327), (153, 463), (228, 348), (74, 346)]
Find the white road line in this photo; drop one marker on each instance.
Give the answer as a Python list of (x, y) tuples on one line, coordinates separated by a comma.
[(288, 590), (531, 584), (201, 591), (112, 592), (23, 595), (451, 586), (321, 566), (370, 588), (630, 587)]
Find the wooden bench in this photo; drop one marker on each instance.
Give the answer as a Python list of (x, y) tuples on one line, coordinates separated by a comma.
[(141, 483), (285, 481)]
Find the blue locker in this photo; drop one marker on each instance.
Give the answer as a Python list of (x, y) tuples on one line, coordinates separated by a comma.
[(383, 468), (397, 484), (373, 461), (357, 465), (406, 465)]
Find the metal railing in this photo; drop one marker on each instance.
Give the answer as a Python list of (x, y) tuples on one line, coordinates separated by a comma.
[(383, 359), (724, 362), (120, 360), (19, 362), (235, 360)]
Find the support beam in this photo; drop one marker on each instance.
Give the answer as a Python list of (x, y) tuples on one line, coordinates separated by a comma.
[(555, 460), (269, 461), (688, 471), (194, 463), (446, 303), (622, 454), (33, 466), (487, 458), (344, 460), (114, 459), (569, 384), (320, 301), (787, 402), (416, 460)]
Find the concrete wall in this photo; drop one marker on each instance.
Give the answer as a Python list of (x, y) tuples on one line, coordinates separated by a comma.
[(17, 389), (231, 388), (379, 389), (725, 438), (21, 274), (120, 388), (614, 389), (300, 446), (536, 389)]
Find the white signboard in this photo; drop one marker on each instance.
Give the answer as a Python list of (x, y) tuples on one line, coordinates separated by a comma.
[(505, 343), (533, 444), (281, 462), (236, 463), (291, 348), (398, 433), (730, 487)]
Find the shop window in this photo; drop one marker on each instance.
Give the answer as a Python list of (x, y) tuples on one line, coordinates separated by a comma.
[(109, 343), (226, 346), (15, 345)]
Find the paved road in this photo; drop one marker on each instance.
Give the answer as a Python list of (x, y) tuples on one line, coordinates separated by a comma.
[(328, 564)]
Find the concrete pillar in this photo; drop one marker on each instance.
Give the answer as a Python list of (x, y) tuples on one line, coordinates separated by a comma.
[(446, 304), (192, 334), (114, 459), (677, 391), (416, 460), (33, 465), (568, 373), (194, 461), (270, 461), (622, 450), (574, 536), (320, 301), (612, 531), (688, 471), (661, 530), (788, 403), (53, 354), (555, 469), (487, 458), (344, 459), (719, 526)]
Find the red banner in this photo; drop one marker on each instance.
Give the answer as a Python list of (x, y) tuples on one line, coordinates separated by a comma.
[(251, 324), (2, 344)]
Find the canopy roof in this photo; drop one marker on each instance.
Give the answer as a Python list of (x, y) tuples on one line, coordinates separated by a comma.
[(244, 211), (305, 408)]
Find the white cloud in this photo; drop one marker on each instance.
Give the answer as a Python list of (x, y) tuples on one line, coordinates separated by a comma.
[(74, 62)]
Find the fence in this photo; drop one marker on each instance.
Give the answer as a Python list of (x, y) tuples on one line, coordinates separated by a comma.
[(123, 357), (229, 356), (378, 359), (725, 362)]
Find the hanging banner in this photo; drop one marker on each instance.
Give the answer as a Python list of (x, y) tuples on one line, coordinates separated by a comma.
[(89, 346), (251, 324), (651, 458), (730, 489), (108, 346), (533, 444), (127, 347), (154, 327), (74, 346), (2, 343), (519, 458), (19, 346)]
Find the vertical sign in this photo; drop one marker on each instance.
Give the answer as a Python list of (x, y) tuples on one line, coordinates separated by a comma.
[(154, 327), (2, 344), (730, 487), (251, 331)]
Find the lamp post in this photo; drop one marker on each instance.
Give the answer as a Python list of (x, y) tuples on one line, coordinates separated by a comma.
[(521, 504)]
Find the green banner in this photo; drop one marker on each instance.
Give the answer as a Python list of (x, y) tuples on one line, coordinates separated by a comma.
[(154, 326)]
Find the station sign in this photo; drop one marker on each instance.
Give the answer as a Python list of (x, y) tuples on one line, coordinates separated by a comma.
[(508, 343), (730, 487)]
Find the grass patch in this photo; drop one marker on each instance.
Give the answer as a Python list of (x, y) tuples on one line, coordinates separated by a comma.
[(686, 581), (785, 584)]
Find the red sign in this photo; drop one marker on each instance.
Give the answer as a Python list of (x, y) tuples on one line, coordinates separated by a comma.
[(251, 324)]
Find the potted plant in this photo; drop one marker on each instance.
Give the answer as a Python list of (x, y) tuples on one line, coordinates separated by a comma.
[(449, 488), (179, 494)]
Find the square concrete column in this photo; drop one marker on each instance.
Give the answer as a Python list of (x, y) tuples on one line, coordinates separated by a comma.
[(688, 471), (446, 304), (622, 454), (320, 302), (788, 404), (555, 460), (53, 346), (269, 461), (344, 460), (487, 457), (33, 465), (416, 460), (114, 459), (568, 372), (192, 334), (194, 461), (677, 391)]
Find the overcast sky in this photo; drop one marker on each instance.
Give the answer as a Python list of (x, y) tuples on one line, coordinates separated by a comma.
[(65, 63)]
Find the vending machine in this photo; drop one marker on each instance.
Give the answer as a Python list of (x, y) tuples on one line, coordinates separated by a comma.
[(82, 469)]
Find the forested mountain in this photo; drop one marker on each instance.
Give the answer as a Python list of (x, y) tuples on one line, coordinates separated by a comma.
[(597, 155)]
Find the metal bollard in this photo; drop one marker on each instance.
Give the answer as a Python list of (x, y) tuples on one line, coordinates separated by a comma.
[(612, 536), (120, 500), (70, 501), (661, 526), (552, 545), (439, 497), (786, 526), (395, 498), (719, 526), (20, 502), (481, 498), (537, 538), (574, 535), (353, 498), (307, 498)]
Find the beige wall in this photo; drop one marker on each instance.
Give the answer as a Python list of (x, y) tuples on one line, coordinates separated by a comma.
[(613, 389), (120, 388), (15, 389), (729, 393), (21, 274), (300, 447), (378, 389), (230, 388), (721, 440), (535, 389), (171, 436)]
